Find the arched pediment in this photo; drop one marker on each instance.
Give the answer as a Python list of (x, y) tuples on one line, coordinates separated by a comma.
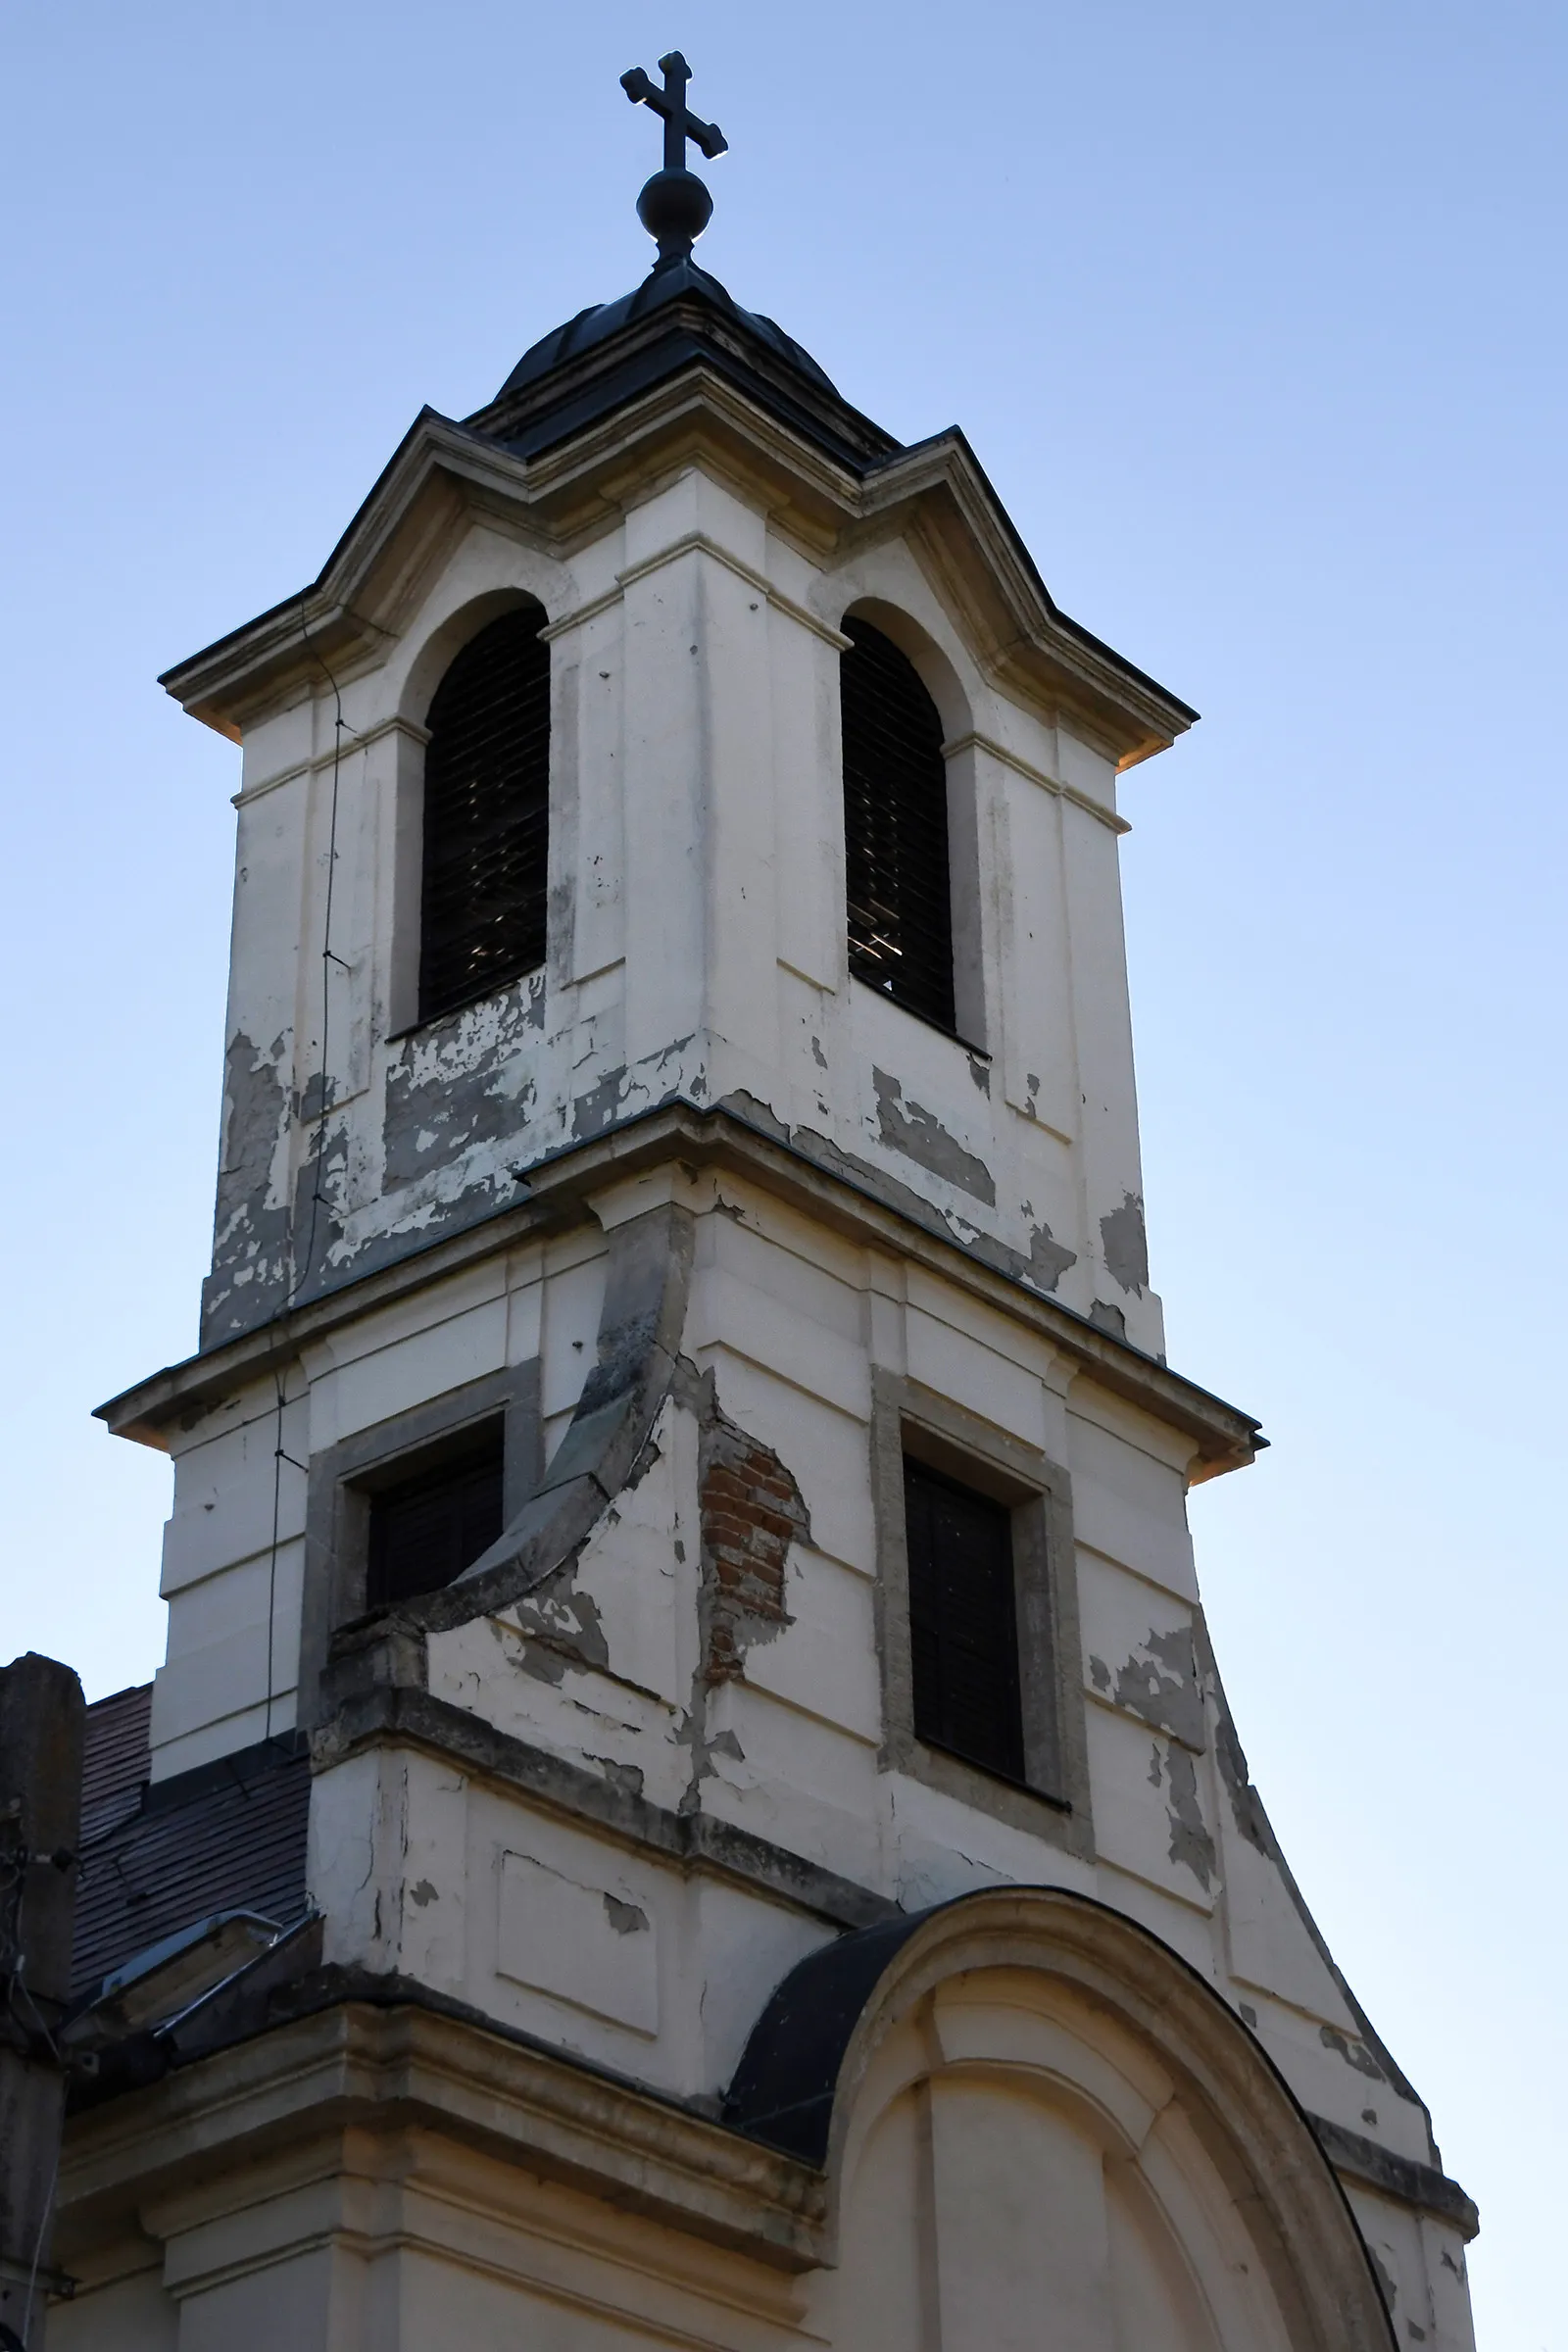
[(1041, 2125)]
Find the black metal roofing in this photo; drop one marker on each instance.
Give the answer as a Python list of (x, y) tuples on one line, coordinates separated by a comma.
[(660, 287), (114, 1759), (160, 1857), (785, 2084), (677, 317)]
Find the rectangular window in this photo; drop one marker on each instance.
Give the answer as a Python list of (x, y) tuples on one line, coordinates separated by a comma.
[(426, 1528), (964, 1622)]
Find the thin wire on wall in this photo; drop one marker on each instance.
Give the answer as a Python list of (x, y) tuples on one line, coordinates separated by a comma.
[(300, 1269)]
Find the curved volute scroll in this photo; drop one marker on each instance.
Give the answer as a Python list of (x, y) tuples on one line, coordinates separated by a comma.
[(647, 1286), (1026, 2103)]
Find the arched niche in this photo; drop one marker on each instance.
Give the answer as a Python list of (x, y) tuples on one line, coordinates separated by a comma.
[(1041, 2128)]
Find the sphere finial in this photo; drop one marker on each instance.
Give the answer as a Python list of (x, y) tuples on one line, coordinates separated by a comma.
[(675, 206)]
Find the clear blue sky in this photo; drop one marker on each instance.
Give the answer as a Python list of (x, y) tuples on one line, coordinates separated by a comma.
[(1255, 316)]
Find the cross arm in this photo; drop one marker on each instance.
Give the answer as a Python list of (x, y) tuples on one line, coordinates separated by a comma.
[(710, 138), (682, 123)]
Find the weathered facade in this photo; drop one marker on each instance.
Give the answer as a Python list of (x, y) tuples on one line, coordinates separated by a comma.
[(654, 1979)]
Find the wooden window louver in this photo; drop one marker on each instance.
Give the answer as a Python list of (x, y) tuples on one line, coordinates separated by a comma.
[(486, 816), (964, 1622), (427, 1528), (896, 827)]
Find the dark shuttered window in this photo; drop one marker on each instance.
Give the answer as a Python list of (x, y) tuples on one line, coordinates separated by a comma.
[(486, 816), (427, 1528), (964, 1622), (896, 827)]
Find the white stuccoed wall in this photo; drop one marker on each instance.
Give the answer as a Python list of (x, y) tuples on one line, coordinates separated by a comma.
[(697, 949)]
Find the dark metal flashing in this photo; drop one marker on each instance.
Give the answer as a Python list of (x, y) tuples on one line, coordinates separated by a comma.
[(784, 2087)]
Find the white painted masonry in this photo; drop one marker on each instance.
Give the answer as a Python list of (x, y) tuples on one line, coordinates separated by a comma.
[(585, 1839)]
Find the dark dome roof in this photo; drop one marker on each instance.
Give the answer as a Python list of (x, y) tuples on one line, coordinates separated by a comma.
[(679, 317), (602, 319)]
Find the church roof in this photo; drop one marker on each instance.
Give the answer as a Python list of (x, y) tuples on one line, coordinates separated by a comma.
[(158, 1856), (659, 289), (678, 317), (680, 324)]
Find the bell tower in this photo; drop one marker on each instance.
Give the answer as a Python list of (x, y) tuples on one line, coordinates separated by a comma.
[(679, 1536)]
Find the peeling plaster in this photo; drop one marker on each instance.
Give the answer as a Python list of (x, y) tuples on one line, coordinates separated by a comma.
[(1246, 1806), (1391, 2293), (315, 1098), (919, 1135), (1191, 1843), (1049, 1261), (593, 1111), (468, 1079), (1042, 1269), (1354, 2053), (1126, 1246), (1159, 1684), (626, 1778), (249, 1270)]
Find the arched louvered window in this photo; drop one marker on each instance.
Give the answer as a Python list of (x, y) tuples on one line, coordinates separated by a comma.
[(896, 827), (486, 816)]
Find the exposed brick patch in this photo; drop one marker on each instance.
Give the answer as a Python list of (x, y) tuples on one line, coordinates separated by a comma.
[(751, 1512)]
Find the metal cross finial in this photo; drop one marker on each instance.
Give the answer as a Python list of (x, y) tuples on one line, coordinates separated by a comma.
[(680, 123), (675, 206)]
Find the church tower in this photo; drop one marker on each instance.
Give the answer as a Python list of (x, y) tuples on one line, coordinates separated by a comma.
[(690, 1800)]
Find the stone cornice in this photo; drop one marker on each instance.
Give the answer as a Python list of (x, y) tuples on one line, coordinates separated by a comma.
[(341, 2051), (383, 2055), (443, 473), (1408, 2183), (976, 742), (390, 1714), (856, 1200)]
